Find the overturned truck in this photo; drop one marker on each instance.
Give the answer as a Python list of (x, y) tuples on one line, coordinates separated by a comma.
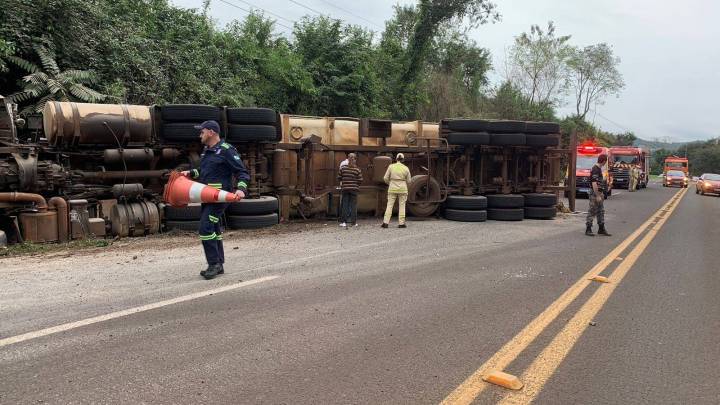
[(97, 169)]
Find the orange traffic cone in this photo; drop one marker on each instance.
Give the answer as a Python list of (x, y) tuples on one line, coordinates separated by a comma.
[(181, 191)]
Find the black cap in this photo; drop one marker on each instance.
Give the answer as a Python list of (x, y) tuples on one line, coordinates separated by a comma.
[(209, 125)]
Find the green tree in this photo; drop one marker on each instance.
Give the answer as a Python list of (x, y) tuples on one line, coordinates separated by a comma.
[(593, 75), (537, 64), (50, 83), (508, 102)]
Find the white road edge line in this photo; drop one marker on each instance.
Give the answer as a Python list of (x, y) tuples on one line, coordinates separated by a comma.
[(89, 321)]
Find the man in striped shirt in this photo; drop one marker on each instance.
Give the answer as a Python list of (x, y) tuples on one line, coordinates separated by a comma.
[(350, 179)]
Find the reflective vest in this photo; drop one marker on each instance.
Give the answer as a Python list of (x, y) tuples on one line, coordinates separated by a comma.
[(397, 177)]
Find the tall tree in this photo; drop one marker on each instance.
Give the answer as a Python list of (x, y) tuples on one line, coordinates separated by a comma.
[(593, 75), (537, 64)]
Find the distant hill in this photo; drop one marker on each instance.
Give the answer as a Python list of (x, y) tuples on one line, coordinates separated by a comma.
[(658, 145)]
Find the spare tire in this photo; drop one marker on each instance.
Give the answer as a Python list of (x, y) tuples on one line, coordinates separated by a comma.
[(540, 212), (507, 139), (541, 140), (252, 221), (466, 202), (417, 189), (468, 138), (506, 214), (465, 215), (189, 113), (188, 226), (190, 212), (254, 206), (542, 127), (505, 201), (540, 200), (251, 133), (258, 116)]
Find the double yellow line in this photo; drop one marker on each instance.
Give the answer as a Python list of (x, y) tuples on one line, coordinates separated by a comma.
[(547, 362)]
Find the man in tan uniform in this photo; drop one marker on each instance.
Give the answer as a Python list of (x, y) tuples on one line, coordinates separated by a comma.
[(397, 177)]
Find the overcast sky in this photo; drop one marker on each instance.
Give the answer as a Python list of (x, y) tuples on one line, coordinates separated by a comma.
[(669, 50)]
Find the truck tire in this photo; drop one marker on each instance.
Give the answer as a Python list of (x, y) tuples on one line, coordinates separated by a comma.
[(467, 125), (468, 138), (505, 201), (187, 226), (251, 133), (182, 132), (506, 214), (256, 116), (188, 213), (542, 128), (540, 200), (251, 221), (416, 192), (254, 206), (506, 126), (466, 215), (540, 212), (190, 113), (541, 140), (466, 202), (507, 139)]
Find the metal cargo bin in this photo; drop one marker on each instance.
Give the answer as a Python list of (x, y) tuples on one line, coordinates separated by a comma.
[(39, 226), (84, 124)]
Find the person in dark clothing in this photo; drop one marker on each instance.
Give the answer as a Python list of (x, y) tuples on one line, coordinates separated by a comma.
[(596, 199), (350, 179), (220, 163)]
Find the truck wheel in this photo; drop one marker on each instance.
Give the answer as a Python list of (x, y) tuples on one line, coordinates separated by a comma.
[(187, 226), (417, 190), (506, 201), (466, 202), (542, 128), (256, 116), (540, 200), (190, 212), (251, 133), (541, 140), (507, 139), (540, 212), (254, 206), (468, 138), (506, 214), (252, 221), (189, 113), (465, 215)]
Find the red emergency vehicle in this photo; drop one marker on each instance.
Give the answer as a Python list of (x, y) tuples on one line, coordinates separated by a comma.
[(587, 155), (676, 163), (623, 158)]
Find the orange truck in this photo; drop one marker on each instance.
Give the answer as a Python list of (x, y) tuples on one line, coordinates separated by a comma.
[(676, 163), (623, 158), (587, 155)]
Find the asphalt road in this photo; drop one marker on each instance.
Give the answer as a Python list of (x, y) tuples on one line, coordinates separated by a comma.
[(369, 315)]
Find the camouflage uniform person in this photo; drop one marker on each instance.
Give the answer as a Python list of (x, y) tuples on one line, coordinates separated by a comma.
[(634, 176), (596, 198)]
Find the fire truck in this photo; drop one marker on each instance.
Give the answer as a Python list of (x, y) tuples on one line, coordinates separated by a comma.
[(676, 163), (623, 159), (587, 155)]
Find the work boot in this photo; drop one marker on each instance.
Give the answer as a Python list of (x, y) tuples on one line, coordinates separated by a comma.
[(222, 270), (402, 226), (602, 231), (202, 273), (213, 271), (384, 225), (588, 230)]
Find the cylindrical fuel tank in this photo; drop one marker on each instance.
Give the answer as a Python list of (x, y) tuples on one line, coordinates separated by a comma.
[(135, 219), (132, 190), (83, 123), (380, 165), (115, 157), (39, 226)]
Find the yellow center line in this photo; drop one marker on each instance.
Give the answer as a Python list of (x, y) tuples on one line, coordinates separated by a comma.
[(544, 366), (474, 385)]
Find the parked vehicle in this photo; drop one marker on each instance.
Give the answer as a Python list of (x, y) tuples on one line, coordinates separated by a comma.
[(675, 178), (708, 183)]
